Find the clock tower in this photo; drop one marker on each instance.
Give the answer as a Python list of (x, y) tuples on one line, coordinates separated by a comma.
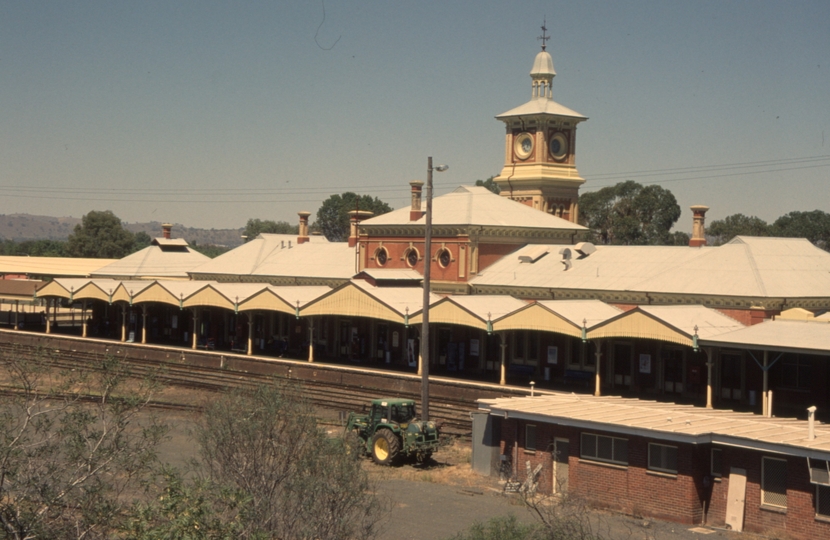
[(539, 161)]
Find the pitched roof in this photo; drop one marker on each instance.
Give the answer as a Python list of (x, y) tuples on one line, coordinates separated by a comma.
[(541, 106), (155, 261), (51, 266), (270, 255), (476, 205), (746, 266), (778, 335)]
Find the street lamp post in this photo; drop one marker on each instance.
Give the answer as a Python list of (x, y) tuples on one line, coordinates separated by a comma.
[(427, 263)]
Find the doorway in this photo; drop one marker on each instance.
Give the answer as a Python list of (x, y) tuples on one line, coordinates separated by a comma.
[(561, 453)]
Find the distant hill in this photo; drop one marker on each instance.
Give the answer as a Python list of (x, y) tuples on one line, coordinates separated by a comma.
[(19, 227)]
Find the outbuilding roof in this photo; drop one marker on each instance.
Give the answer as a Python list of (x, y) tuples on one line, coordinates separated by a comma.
[(51, 266), (170, 259), (667, 422)]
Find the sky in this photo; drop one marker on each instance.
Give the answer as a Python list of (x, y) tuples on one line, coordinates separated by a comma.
[(209, 113)]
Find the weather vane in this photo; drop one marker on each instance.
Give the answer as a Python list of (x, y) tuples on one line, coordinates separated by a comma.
[(544, 37)]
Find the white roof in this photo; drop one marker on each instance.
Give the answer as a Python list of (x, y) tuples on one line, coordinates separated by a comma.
[(51, 266), (539, 106), (746, 266), (779, 335), (576, 311), (704, 321), (154, 261), (176, 242), (488, 306), (476, 205), (400, 299), (667, 421), (279, 255), (393, 274)]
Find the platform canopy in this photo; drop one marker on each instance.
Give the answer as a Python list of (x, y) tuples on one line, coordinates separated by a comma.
[(808, 337), (675, 324), (187, 294), (567, 317), (357, 298), (477, 311)]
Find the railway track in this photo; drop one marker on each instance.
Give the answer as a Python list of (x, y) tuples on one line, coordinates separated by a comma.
[(326, 386)]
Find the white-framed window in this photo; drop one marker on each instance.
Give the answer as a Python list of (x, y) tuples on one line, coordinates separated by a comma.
[(716, 462), (662, 458), (774, 482), (823, 501), (604, 448), (530, 437)]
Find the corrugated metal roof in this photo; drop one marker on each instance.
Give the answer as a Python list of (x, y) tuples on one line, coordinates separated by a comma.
[(476, 205), (750, 267), (779, 335), (175, 242), (400, 299), (704, 321), (393, 274), (154, 261), (667, 421), (51, 266), (19, 289), (271, 255), (576, 311)]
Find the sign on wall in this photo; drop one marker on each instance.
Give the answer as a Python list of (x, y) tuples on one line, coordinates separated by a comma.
[(645, 363)]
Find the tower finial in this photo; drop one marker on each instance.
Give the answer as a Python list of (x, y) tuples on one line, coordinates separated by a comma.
[(544, 37)]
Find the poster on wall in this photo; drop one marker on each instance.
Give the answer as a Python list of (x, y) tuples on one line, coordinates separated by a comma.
[(395, 340), (174, 321), (473, 347), (410, 353), (553, 354), (645, 363)]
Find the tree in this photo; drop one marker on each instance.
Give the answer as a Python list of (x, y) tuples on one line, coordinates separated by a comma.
[(269, 471), (630, 214), (256, 226), (333, 215), (141, 240), (723, 230), (814, 226), (489, 184), (100, 235), (209, 250), (73, 448)]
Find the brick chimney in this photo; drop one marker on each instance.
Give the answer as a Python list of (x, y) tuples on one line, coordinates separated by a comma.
[(302, 238), (355, 217), (415, 212), (165, 230), (698, 226)]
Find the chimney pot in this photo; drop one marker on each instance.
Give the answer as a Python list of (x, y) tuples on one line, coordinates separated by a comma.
[(166, 228), (355, 217), (415, 213), (698, 226), (302, 237)]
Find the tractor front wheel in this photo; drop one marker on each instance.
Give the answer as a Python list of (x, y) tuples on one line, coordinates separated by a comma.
[(385, 447)]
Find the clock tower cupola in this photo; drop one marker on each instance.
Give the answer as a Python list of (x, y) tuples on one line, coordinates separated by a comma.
[(539, 162)]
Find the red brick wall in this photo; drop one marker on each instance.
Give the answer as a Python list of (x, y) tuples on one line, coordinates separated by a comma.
[(798, 521), (490, 253), (396, 248)]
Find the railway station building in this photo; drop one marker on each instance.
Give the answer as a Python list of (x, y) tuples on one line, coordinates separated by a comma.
[(637, 356)]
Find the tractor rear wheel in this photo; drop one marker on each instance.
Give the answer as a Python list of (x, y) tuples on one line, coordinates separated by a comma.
[(385, 447)]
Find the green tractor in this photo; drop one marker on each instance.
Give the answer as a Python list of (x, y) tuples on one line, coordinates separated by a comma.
[(391, 430)]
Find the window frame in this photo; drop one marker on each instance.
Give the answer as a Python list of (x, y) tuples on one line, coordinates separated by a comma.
[(826, 490), (530, 428), (712, 471), (764, 490), (664, 448), (614, 442)]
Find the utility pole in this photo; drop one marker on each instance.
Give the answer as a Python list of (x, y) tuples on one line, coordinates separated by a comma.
[(424, 349)]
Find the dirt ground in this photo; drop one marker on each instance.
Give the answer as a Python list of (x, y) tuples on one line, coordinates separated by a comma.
[(445, 497)]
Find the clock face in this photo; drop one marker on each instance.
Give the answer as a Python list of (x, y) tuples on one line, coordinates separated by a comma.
[(559, 146), (523, 145)]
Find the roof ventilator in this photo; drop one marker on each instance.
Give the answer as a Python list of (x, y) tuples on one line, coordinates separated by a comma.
[(566, 258), (585, 249), (533, 255)]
